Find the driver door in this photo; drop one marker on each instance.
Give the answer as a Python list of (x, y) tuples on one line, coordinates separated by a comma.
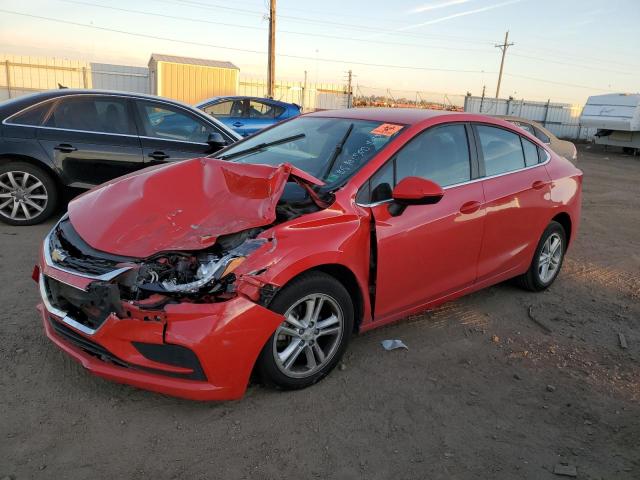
[(428, 251), (169, 133)]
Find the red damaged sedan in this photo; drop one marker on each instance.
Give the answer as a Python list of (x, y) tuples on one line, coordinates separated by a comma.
[(187, 278)]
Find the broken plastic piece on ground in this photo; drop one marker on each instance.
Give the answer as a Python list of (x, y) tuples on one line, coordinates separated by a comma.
[(565, 470), (393, 344)]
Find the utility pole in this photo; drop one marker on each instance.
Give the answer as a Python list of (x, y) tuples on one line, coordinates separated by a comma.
[(349, 92), (271, 67), (502, 47), (304, 91)]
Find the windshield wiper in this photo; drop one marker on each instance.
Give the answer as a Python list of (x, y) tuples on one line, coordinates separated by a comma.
[(336, 151), (261, 146)]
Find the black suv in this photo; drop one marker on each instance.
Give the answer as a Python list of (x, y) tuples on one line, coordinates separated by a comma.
[(82, 138)]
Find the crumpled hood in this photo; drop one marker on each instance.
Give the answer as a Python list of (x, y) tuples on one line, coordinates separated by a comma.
[(180, 206)]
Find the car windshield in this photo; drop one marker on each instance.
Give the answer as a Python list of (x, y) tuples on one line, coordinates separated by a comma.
[(331, 149)]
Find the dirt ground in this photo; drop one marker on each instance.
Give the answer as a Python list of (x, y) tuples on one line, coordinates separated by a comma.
[(483, 392)]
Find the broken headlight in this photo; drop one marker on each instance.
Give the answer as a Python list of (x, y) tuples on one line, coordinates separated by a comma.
[(181, 272)]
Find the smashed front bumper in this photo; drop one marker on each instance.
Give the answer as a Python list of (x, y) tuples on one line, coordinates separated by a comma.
[(189, 350)]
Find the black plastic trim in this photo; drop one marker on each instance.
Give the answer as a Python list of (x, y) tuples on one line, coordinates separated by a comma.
[(174, 355)]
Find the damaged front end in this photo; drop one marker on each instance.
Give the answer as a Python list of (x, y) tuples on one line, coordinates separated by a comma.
[(119, 285), (173, 323), (156, 296)]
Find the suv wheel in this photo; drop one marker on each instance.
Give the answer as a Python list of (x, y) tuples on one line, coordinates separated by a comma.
[(28, 194)]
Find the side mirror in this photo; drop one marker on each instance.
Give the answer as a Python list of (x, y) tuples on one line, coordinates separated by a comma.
[(414, 191), (216, 141)]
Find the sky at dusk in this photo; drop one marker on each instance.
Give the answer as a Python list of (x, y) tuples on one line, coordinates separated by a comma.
[(565, 50)]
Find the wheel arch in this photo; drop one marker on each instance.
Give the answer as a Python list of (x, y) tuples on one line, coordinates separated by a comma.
[(16, 157), (348, 279), (564, 219)]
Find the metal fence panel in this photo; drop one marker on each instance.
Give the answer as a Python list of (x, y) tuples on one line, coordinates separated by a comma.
[(20, 75), (562, 119), (310, 96), (123, 78)]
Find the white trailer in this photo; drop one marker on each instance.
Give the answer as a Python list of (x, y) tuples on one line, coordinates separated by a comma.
[(617, 118)]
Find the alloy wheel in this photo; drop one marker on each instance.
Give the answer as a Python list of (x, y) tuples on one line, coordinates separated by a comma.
[(550, 258), (309, 337), (23, 196)]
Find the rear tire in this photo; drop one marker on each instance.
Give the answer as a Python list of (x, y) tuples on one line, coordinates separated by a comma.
[(28, 194), (310, 342), (547, 259)]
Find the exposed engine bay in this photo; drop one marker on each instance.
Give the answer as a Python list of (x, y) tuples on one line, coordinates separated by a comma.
[(194, 275)]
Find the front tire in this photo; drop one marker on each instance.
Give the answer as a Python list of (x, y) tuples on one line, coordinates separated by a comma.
[(28, 194), (547, 259), (318, 324)]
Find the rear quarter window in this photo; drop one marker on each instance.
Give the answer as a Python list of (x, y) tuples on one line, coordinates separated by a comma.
[(31, 115), (531, 154)]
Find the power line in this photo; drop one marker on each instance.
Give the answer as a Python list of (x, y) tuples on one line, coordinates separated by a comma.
[(368, 28), (300, 57), (558, 83), (351, 26), (250, 27), (590, 59), (579, 65), (337, 37), (236, 49), (394, 32)]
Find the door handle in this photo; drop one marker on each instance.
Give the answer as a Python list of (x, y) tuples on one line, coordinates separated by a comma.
[(238, 124), (65, 147), (157, 155), (538, 184), (470, 207)]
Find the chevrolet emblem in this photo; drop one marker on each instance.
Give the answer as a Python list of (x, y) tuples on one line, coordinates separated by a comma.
[(58, 255)]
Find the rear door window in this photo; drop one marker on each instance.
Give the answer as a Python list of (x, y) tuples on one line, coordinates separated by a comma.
[(92, 114), (501, 149), (440, 154)]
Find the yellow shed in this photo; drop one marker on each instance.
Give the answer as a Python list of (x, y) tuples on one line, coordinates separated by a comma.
[(191, 80)]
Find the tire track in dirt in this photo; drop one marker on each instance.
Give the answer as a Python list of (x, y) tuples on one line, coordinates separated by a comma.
[(452, 313), (622, 281)]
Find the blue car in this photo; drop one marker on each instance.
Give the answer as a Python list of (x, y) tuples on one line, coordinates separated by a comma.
[(247, 115)]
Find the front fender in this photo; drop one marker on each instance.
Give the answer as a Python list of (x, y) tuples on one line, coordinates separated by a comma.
[(328, 237)]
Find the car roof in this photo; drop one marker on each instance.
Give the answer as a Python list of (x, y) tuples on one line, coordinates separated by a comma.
[(15, 105), (243, 97), (27, 100), (513, 118), (407, 116)]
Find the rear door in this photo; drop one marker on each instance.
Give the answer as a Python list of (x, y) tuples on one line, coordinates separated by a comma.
[(91, 138), (428, 251), (170, 133), (516, 191)]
